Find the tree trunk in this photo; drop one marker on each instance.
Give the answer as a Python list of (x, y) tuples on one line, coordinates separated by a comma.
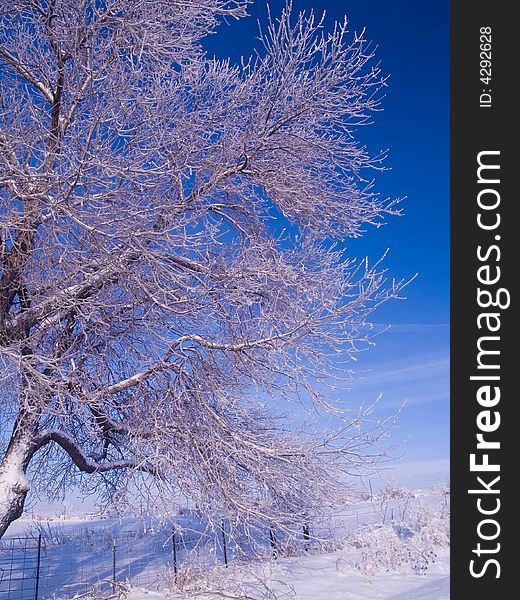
[(13, 481), (13, 491)]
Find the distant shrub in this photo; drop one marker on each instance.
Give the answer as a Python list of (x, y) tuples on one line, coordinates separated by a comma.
[(392, 489), (409, 543)]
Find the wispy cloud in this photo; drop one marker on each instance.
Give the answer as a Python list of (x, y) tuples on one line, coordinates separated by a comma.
[(397, 371), (407, 327), (424, 467), (402, 381)]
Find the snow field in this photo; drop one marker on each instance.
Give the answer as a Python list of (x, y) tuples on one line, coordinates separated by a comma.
[(393, 547)]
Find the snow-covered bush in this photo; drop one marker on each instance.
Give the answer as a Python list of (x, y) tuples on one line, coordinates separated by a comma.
[(189, 578), (431, 524), (409, 543), (392, 489), (386, 548), (263, 581)]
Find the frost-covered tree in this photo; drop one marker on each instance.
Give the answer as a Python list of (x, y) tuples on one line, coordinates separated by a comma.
[(168, 278)]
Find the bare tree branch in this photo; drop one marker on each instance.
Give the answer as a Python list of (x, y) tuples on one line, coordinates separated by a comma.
[(171, 281), (82, 462), (25, 72)]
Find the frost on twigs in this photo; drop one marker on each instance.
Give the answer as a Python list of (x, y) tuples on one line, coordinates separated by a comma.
[(170, 278), (408, 543), (238, 582), (391, 490)]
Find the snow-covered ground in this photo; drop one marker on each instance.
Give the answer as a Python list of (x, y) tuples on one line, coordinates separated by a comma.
[(391, 548), (314, 578)]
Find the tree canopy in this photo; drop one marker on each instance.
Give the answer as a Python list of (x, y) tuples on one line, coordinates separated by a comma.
[(169, 279)]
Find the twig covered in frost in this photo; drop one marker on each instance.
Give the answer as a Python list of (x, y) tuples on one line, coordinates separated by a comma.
[(169, 279)]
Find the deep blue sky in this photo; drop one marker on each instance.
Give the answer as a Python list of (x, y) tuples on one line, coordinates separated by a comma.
[(410, 362)]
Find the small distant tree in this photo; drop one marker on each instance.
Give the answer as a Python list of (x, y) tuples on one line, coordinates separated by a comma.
[(169, 279)]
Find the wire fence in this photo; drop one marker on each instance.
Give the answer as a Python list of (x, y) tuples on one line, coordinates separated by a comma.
[(19, 558), (94, 558), (91, 561)]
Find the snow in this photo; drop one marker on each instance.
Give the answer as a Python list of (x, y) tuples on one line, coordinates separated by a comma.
[(318, 578), (435, 590), (372, 557)]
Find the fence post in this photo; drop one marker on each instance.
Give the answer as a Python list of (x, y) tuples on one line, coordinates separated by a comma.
[(224, 547), (38, 557), (11, 569), (174, 547), (306, 536), (114, 565), (272, 539)]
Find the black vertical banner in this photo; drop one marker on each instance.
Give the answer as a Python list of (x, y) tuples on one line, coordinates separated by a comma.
[(484, 437)]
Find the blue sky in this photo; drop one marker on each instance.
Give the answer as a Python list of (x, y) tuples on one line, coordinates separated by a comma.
[(410, 361)]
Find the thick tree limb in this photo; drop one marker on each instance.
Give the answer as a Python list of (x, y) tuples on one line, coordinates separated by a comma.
[(83, 462), (47, 313)]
